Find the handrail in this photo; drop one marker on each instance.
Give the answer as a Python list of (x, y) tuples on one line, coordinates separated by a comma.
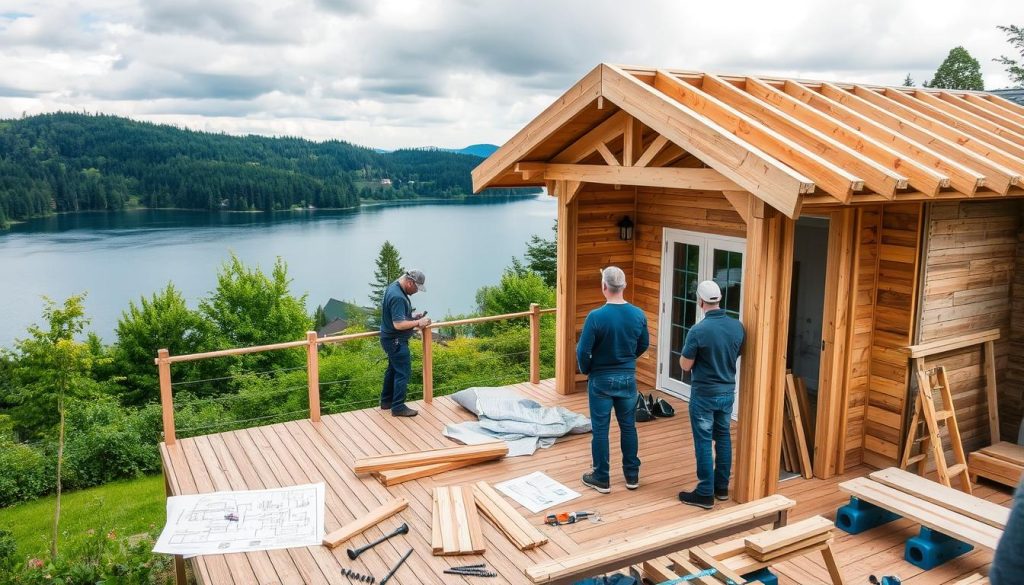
[(164, 360)]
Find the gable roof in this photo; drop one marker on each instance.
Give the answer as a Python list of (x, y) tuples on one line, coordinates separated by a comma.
[(787, 141)]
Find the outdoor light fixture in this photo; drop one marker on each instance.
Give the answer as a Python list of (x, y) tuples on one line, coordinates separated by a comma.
[(625, 228)]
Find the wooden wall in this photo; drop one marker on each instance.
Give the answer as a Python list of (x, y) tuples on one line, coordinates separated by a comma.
[(1011, 394), (898, 247), (699, 211), (969, 269)]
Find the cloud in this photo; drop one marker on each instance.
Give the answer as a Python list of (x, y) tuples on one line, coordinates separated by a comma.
[(393, 73)]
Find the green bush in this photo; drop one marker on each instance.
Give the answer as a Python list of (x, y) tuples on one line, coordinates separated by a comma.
[(104, 558), (104, 444), (25, 473)]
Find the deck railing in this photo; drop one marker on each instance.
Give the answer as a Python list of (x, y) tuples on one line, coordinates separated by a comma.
[(312, 343)]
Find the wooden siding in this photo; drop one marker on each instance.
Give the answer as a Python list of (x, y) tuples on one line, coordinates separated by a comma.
[(971, 250), (894, 312), (1011, 394), (859, 375), (656, 209)]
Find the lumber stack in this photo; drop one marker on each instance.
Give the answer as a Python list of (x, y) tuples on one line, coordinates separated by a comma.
[(396, 468), (456, 525), (510, 522), (799, 536), (1002, 462), (796, 428)]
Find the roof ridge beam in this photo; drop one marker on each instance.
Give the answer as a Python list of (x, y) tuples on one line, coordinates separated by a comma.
[(829, 177), (746, 165), (994, 108), (963, 116), (904, 135), (994, 118), (920, 176), (876, 177)]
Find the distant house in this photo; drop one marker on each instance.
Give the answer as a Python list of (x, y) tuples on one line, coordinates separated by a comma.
[(1014, 95), (339, 316), (385, 182)]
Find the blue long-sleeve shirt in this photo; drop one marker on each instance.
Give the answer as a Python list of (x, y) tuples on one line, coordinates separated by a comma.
[(613, 337)]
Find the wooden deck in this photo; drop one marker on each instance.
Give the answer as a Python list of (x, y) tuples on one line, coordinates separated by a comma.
[(302, 452)]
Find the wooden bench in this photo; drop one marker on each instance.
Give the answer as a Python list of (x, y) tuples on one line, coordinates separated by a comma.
[(1002, 462), (963, 517), (668, 539)]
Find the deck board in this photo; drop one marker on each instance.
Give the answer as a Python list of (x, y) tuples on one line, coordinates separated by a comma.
[(299, 452)]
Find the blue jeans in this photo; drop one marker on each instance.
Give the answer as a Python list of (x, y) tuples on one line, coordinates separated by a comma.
[(1008, 562), (709, 418), (396, 377), (618, 391)]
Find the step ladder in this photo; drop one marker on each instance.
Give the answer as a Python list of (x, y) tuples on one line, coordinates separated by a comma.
[(924, 430)]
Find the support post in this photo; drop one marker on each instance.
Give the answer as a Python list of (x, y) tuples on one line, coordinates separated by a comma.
[(163, 367), (565, 317), (179, 561), (534, 343), (313, 375), (428, 365), (990, 390), (768, 268)]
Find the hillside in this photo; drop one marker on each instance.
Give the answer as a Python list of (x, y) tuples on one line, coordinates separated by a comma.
[(78, 162)]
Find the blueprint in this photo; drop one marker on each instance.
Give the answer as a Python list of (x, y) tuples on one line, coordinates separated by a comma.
[(536, 491), (233, 522)]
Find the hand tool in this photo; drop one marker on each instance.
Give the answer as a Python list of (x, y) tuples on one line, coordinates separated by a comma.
[(571, 517), (354, 553), (402, 560)]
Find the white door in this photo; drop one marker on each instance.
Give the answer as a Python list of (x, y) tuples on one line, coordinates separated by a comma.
[(688, 258)]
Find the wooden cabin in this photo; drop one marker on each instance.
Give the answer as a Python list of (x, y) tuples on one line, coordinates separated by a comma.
[(845, 223)]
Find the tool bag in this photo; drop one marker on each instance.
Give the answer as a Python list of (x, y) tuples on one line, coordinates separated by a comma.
[(643, 412)]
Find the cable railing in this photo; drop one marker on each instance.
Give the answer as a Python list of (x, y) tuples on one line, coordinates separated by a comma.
[(311, 344)]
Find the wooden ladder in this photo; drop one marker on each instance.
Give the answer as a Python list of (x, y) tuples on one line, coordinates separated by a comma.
[(928, 438)]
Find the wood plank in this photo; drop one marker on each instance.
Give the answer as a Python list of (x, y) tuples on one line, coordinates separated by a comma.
[(809, 543), (393, 477), (772, 540), (926, 513), (705, 560), (995, 469), (669, 178), (336, 537), (943, 345), (523, 534), (494, 450), (947, 497), (1009, 452)]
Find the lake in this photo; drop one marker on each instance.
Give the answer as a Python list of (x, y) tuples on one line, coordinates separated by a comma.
[(118, 257)]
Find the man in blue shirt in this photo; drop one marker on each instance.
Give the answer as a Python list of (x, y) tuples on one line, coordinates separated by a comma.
[(710, 353), (613, 337), (397, 324)]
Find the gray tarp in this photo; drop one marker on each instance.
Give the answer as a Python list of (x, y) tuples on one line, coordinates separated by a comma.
[(523, 423)]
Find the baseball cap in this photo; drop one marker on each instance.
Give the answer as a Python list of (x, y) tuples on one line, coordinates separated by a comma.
[(419, 278), (709, 292), (613, 276)]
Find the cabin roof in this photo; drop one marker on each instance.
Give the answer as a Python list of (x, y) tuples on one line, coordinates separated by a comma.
[(787, 141)]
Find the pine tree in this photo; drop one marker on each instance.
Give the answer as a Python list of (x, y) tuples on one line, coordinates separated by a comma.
[(1015, 69), (959, 71), (908, 81), (389, 268)]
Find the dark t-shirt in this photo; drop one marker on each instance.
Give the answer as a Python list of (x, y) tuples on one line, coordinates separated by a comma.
[(613, 337), (714, 344), (396, 307)]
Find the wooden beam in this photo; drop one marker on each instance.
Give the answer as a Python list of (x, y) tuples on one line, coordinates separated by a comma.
[(989, 158), (565, 108), (829, 177), (989, 106), (632, 141), (740, 201), (875, 176), (1005, 103), (587, 144), (739, 161), (922, 350), (773, 540), (493, 450), (668, 155), (919, 175), (506, 519), (669, 178), (386, 510), (565, 301), (607, 155), (652, 151), (952, 106)]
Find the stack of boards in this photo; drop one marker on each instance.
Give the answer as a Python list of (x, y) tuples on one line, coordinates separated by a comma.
[(1002, 462), (456, 523), (397, 468), (796, 428)]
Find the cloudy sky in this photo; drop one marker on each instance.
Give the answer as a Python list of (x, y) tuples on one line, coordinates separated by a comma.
[(393, 73)]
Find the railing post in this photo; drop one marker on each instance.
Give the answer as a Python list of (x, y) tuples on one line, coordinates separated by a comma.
[(313, 375), (166, 398), (428, 365), (534, 343)]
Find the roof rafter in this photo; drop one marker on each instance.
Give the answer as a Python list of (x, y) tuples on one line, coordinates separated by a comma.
[(963, 116), (829, 177), (608, 130), (994, 108), (919, 176), (876, 177), (983, 113), (1005, 103), (748, 166)]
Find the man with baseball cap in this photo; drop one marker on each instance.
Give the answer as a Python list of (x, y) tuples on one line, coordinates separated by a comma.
[(710, 352), (397, 324), (613, 337)]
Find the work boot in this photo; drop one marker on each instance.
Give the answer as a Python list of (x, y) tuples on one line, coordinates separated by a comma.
[(385, 406), (694, 499), (722, 495), (632, 484), (404, 411), (601, 486)]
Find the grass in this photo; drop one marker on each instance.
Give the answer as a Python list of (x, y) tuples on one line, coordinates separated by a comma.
[(128, 507)]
